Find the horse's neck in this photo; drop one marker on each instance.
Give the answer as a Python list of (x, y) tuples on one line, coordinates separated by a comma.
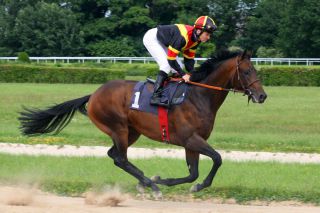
[(222, 76), (213, 99)]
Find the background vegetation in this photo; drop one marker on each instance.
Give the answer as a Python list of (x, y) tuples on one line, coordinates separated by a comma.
[(115, 28), (21, 73), (101, 73)]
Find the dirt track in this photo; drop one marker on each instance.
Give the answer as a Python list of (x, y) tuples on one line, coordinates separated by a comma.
[(32, 201), (100, 151)]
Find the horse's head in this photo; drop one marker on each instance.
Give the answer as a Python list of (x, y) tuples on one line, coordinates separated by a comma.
[(245, 79)]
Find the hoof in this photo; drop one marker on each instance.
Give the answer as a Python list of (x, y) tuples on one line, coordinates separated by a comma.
[(195, 188), (140, 188), (155, 178), (157, 195)]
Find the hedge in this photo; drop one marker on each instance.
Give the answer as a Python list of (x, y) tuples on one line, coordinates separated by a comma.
[(270, 75), (44, 74), (289, 76), (137, 69)]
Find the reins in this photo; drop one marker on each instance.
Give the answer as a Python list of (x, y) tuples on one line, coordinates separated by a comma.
[(206, 85), (245, 89)]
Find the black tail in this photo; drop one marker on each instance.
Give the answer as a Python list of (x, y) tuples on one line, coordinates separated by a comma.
[(53, 119)]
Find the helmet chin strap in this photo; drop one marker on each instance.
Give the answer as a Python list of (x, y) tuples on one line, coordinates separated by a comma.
[(198, 33)]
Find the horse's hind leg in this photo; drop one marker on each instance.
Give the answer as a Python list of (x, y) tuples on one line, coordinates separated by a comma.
[(192, 159), (133, 136), (119, 154)]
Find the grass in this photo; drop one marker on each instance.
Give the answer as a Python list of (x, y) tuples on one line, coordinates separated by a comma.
[(241, 181), (288, 121)]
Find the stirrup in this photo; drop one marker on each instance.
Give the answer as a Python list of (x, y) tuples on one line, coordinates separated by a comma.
[(164, 104), (158, 102), (155, 100)]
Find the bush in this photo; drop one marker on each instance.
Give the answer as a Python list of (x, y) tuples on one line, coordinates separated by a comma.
[(43, 74), (270, 75), (264, 52), (115, 47), (289, 76), (205, 50), (23, 57), (136, 69)]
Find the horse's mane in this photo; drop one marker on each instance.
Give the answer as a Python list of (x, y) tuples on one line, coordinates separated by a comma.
[(213, 63)]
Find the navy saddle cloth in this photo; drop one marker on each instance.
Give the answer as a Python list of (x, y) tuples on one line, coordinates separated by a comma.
[(174, 92)]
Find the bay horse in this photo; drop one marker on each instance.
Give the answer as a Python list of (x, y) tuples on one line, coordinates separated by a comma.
[(190, 123)]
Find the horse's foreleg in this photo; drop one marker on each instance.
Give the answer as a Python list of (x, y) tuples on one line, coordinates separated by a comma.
[(198, 144), (192, 159)]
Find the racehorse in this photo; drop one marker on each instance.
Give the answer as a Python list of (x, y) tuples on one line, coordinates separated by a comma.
[(190, 123)]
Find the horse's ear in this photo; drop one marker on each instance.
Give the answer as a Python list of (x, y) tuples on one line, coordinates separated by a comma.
[(246, 54)]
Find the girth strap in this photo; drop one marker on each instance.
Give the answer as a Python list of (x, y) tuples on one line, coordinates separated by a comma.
[(163, 122)]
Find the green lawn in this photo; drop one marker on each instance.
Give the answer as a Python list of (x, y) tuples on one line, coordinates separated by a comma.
[(288, 121), (243, 181)]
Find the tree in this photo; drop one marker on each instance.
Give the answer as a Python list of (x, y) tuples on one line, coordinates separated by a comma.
[(163, 11), (299, 34), (264, 52), (227, 17), (126, 22), (135, 21), (47, 30), (121, 46), (87, 10), (4, 32), (262, 27)]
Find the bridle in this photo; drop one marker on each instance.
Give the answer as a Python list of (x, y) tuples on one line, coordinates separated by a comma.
[(245, 88)]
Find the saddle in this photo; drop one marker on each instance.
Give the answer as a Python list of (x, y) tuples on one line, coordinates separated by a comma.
[(173, 92)]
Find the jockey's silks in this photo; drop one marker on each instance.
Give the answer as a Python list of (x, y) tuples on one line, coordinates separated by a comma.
[(179, 38)]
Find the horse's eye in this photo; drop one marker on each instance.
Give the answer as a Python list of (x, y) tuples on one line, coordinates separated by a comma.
[(247, 72)]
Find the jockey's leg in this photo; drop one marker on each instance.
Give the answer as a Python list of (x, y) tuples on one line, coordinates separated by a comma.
[(158, 85), (159, 52)]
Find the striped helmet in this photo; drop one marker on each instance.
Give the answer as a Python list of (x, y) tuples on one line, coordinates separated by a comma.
[(205, 23)]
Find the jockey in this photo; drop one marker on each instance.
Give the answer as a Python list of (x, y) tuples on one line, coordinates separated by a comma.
[(165, 42)]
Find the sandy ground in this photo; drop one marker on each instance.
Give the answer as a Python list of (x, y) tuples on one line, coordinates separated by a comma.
[(16, 200), (101, 151)]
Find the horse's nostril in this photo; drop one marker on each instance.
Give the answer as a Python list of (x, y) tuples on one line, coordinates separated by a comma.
[(262, 97)]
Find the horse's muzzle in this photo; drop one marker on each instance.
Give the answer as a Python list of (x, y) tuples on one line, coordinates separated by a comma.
[(259, 98), (262, 98), (256, 97)]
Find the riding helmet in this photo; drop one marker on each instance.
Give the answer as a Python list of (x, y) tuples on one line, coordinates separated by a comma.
[(205, 23)]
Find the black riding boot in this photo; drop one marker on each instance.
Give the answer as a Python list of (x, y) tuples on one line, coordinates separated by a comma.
[(158, 85)]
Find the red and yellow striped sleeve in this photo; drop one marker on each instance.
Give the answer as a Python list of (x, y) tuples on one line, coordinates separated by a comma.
[(172, 53), (190, 53)]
